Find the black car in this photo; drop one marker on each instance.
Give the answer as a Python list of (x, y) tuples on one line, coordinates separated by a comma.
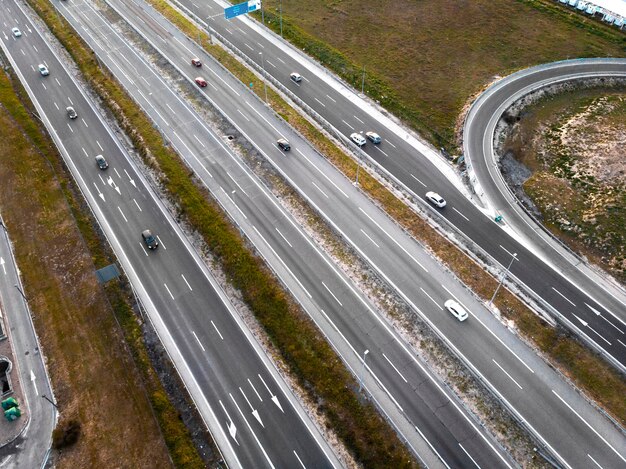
[(102, 163), (283, 144), (150, 240)]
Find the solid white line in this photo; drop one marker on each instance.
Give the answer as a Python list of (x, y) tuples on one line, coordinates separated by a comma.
[(469, 456), (431, 299), (431, 446), (598, 334), (168, 290), (118, 207), (318, 188), (394, 367), (191, 289), (254, 389), (240, 188), (567, 299), (322, 173), (252, 431), (332, 294), (460, 213), (418, 181), (319, 102), (199, 343), (299, 460), (505, 372), (217, 330), (137, 205), (283, 237), (368, 237), (598, 313), (592, 429)]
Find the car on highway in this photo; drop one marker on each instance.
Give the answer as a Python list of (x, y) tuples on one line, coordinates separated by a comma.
[(101, 162), (283, 144), (16, 32), (456, 310), (150, 240), (71, 112), (296, 77), (373, 136), (201, 82), (436, 199), (43, 70), (358, 139), (196, 62)]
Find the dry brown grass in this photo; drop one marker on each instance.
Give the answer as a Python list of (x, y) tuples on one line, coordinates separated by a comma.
[(93, 375)]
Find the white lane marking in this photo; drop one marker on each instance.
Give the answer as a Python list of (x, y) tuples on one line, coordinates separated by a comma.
[(319, 102), (137, 205), (467, 219), (243, 115), (267, 61), (199, 141), (333, 100), (318, 188), (123, 216), (332, 294), (378, 148), (299, 460), (490, 331), (57, 106), (432, 299), (469, 456), (233, 202), (255, 391), (597, 464), (280, 59), (57, 80), (389, 143), (273, 396), (199, 343), (431, 446), (590, 427), (598, 313), (188, 50), (564, 297), (282, 262), (87, 155), (70, 127), (33, 378), (252, 431), (160, 116), (100, 146), (232, 429), (358, 119), (351, 128), (190, 289), (266, 121), (116, 172), (394, 367), (168, 290), (369, 237), (394, 240), (322, 173), (217, 330), (224, 81), (513, 255), (236, 183), (283, 236), (245, 44), (161, 242), (621, 342), (506, 373), (418, 180), (143, 249)]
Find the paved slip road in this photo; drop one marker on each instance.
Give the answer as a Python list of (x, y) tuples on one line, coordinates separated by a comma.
[(247, 407), (32, 446), (600, 313), (569, 427)]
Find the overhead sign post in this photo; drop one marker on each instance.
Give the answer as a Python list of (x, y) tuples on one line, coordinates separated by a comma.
[(242, 9)]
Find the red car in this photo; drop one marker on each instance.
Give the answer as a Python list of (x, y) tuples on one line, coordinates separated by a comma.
[(201, 82), (196, 62)]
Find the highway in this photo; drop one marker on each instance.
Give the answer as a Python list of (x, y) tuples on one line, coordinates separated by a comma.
[(251, 413), (566, 424), (590, 309)]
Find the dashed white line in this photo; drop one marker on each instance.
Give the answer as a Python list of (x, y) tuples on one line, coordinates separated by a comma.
[(564, 297), (199, 141), (332, 294), (101, 149), (299, 460), (57, 106), (86, 154), (469, 456), (190, 289), (351, 128), (394, 367), (161, 242), (217, 330), (70, 127), (369, 237), (255, 391), (199, 343), (432, 299), (267, 61), (123, 216), (596, 462), (84, 122), (389, 143), (137, 205), (506, 373), (280, 59), (283, 236), (168, 290), (467, 219), (236, 183), (322, 173), (509, 252), (248, 46), (358, 119), (243, 115), (318, 188), (418, 180), (378, 148), (319, 102), (334, 101)]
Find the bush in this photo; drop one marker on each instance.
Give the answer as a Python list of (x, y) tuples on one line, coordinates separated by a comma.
[(66, 434)]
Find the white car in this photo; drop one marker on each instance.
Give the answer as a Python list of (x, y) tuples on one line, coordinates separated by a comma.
[(16, 32), (43, 70), (456, 309), (296, 77), (358, 139), (373, 136), (436, 199)]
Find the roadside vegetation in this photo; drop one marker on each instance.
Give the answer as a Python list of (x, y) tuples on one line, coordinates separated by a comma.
[(317, 368), (103, 395), (425, 60), (586, 369)]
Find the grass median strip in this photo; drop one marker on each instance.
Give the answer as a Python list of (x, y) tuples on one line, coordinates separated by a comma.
[(586, 369), (319, 371)]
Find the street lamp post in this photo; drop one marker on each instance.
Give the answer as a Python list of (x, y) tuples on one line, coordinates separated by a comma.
[(264, 80), (363, 82), (281, 18), (362, 370), (502, 278)]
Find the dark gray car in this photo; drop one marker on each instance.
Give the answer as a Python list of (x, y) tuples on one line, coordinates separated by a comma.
[(151, 241)]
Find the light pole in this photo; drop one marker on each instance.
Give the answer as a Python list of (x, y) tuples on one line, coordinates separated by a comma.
[(281, 18), (358, 166), (502, 279), (362, 371), (264, 82), (363, 82)]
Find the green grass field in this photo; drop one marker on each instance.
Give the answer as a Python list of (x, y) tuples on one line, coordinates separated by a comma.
[(425, 59)]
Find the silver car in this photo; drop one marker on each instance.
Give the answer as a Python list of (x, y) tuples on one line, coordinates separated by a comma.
[(456, 309), (436, 199), (358, 139), (43, 70)]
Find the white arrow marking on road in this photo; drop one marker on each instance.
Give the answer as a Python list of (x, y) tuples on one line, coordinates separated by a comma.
[(130, 179), (113, 185), (254, 411), (2, 264), (581, 321), (99, 193), (600, 314), (32, 378), (231, 425), (592, 329), (272, 396)]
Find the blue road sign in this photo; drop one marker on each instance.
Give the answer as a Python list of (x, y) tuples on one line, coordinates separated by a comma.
[(242, 8)]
